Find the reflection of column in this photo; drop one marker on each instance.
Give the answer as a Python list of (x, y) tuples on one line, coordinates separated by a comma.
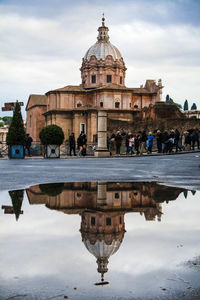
[(102, 150), (101, 193)]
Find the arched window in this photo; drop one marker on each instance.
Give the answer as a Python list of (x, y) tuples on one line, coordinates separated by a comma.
[(101, 104), (108, 221), (109, 78), (93, 221), (79, 104), (116, 104), (93, 78)]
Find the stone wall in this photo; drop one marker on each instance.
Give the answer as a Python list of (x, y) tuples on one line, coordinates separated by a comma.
[(167, 124)]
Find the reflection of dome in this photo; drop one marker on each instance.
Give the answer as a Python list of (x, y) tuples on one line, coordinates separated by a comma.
[(102, 234), (101, 249), (101, 49)]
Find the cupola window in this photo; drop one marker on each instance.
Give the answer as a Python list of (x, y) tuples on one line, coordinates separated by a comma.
[(108, 221), (109, 78), (101, 104), (93, 78), (116, 104), (92, 220)]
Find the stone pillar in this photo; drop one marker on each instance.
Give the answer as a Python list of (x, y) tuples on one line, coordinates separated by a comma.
[(101, 193), (102, 150)]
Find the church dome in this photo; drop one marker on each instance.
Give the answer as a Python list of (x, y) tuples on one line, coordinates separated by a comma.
[(101, 50)]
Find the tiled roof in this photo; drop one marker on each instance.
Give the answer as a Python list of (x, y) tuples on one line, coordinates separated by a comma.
[(37, 100), (70, 88), (111, 86)]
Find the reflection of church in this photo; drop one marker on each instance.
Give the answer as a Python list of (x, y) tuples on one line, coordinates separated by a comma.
[(75, 108), (102, 207)]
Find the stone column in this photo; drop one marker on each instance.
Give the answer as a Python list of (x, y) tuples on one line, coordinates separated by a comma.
[(101, 193), (102, 150)]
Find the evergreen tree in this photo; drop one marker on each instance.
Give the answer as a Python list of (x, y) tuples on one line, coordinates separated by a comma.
[(17, 199), (193, 107), (185, 107), (16, 133), (167, 99)]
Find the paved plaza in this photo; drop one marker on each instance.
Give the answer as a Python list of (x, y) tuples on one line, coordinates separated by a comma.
[(177, 170)]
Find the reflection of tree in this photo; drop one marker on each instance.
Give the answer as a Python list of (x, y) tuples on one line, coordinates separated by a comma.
[(17, 199), (51, 189)]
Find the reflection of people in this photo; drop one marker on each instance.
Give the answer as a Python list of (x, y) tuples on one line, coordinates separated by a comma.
[(72, 144), (28, 143)]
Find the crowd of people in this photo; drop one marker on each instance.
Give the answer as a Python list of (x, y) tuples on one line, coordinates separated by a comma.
[(164, 142), (136, 144)]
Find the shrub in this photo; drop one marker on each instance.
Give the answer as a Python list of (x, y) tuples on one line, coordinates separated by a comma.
[(52, 135)]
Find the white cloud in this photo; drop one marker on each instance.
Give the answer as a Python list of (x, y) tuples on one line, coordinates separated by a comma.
[(42, 49)]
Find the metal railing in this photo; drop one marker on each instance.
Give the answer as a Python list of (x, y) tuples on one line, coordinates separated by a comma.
[(3, 149)]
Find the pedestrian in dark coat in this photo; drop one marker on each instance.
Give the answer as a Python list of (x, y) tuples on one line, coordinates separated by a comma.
[(176, 140), (143, 140), (72, 144), (28, 143), (195, 138), (165, 138), (137, 143), (159, 141), (118, 142)]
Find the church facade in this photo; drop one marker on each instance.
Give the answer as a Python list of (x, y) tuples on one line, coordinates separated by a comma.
[(75, 108)]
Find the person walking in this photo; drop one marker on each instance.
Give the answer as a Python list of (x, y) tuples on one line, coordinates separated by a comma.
[(137, 143), (127, 142), (28, 143), (72, 144), (150, 142), (165, 139), (131, 144), (84, 144), (195, 138), (118, 142), (80, 144), (159, 141), (177, 140), (188, 140), (143, 140)]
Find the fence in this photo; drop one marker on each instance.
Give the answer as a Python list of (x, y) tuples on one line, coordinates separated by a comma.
[(3, 149)]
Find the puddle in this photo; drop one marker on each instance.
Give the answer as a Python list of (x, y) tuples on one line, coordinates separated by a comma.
[(100, 240)]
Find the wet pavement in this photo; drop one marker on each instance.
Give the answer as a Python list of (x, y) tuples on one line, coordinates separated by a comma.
[(177, 170), (100, 240)]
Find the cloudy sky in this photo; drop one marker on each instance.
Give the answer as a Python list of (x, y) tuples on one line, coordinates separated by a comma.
[(42, 44)]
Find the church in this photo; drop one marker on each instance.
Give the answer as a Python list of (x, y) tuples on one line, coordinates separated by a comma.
[(75, 108)]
